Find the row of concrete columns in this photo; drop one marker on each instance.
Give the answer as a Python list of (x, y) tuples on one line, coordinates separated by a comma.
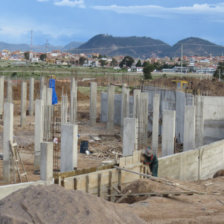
[(9, 98), (193, 132)]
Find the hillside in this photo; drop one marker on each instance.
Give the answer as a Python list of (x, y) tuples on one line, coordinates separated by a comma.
[(195, 46), (143, 47), (26, 47), (72, 45)]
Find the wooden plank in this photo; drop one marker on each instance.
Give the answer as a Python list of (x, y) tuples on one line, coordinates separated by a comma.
[(99, 185), (161, 180), (158, 194), (83, 171), (123, 196), (118, 191)]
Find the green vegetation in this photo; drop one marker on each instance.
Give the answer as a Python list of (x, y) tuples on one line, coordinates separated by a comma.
[(127, 61), (147, 70), (219, 73)]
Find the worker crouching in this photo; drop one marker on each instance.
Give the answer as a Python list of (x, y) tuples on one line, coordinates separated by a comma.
[(150, 159)]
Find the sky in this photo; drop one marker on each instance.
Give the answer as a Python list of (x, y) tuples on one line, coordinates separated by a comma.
[(62, 21)]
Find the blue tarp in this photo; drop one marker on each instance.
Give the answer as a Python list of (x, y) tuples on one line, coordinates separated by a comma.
[(54, 95)]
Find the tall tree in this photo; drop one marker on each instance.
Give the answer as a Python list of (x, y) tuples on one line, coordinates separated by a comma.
[(127, 61), (27, 55), (82, 60), (147, 71), (114, 62), (43, 57), (138, 64), (219, 73)]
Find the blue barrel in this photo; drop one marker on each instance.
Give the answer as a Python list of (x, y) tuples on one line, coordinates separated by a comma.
[(84, 146)]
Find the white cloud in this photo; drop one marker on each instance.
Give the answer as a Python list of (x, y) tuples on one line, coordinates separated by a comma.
[(71, 3), (163, 12)]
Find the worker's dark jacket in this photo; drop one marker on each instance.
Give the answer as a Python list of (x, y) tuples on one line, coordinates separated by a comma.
[(152, 161)]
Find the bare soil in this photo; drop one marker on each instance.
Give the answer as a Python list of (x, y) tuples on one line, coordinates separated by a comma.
[(54, 204), (211, 87), (206, 208)]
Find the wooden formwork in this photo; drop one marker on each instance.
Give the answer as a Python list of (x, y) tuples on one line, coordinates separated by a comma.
[(103, 181)]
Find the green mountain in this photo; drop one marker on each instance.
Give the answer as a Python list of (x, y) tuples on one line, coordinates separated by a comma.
[(143, 47), (193, 46)]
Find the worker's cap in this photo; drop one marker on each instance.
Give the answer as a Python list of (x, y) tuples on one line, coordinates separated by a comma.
[(148, 151)]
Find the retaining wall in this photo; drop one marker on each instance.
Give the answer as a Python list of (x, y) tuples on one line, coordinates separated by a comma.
[(198, 164)]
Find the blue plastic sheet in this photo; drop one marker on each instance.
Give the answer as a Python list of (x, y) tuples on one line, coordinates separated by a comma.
[(54, 95)]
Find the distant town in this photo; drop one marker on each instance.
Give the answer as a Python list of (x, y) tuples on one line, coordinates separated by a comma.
[(194, 64)]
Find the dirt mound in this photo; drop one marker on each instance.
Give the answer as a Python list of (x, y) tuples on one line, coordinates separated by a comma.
[(54, 204), (219, 173), (195, 85), (144, 186)]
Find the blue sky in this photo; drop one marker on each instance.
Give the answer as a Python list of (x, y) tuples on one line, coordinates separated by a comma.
[(63, 21)]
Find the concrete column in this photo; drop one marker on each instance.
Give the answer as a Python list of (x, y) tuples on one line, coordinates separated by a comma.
[(168, 132), (155, 123), (48, 120), (43, 94), (31, 97), (46, 161), (23, 104), (136, 105), (199, 121), (9, 91), (130, 136), (189, 128), (110, 110), (69, 140), (42, 80), (93, 103), (124, 104), (1, 95), (49, 97), (7, 136), (73, 103), (38, 131), (143, 120), (64, 109)]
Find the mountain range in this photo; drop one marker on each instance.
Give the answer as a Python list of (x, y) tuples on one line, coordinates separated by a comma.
[(144, 47), (38, 48), (138, 47)]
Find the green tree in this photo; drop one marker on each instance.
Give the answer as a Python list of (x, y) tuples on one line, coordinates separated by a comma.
[(82, 60), (219, 73), (147, 71), (114, 62), (103, 62), (43, 57), (127, 61), (138, 64), (145, 63), (27, 55)]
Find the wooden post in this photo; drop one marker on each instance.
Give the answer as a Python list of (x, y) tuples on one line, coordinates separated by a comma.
[(110, 185), (87, 183), (75, 184), (119, 180), (99, 185)]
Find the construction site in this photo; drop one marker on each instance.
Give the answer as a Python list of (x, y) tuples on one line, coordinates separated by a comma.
[(71, 150)]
